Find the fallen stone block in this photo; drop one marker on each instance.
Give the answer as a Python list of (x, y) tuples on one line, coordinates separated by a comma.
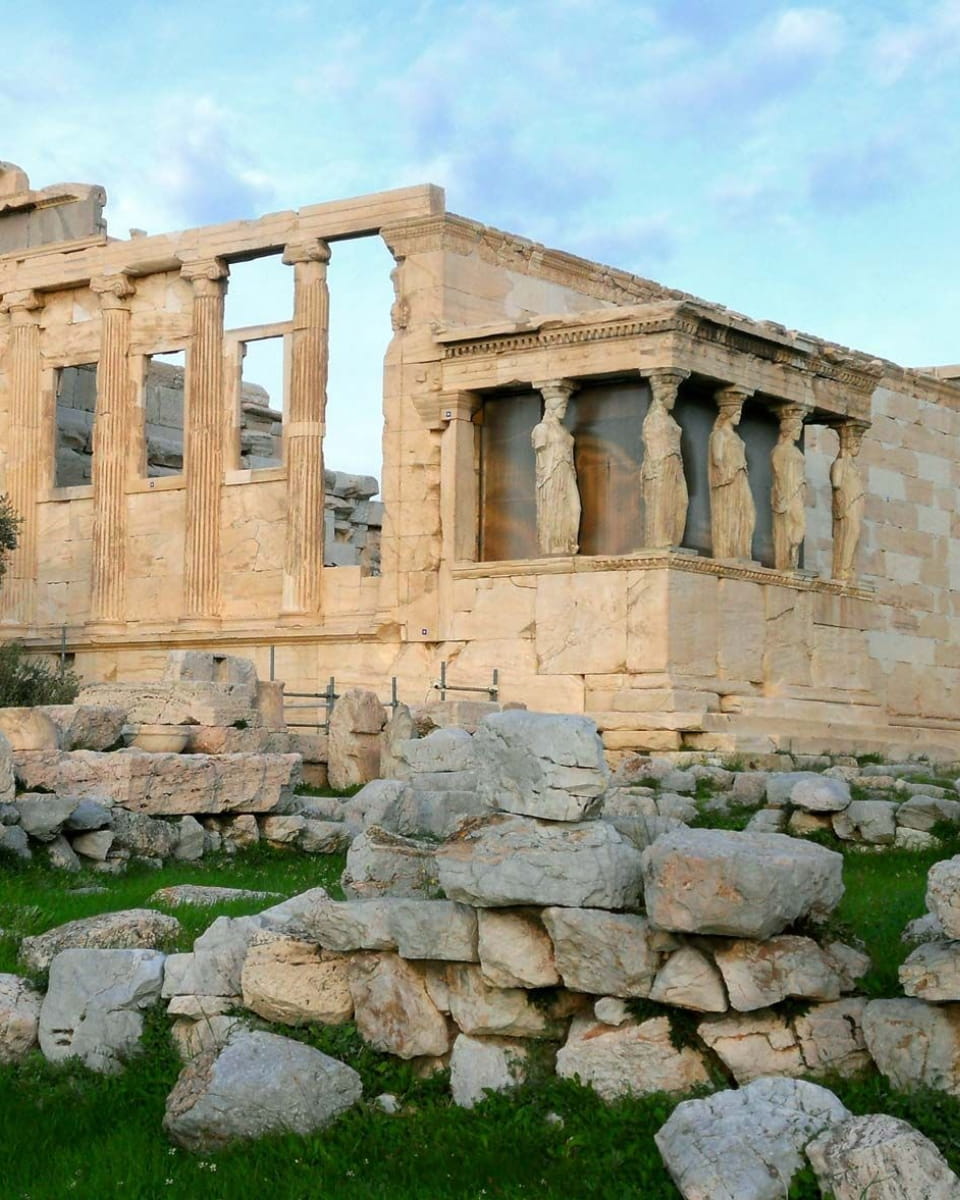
[(746, 1144), (295, 982), (19, 1017), (943, 894), (740, 884), (93, 1009), (131, 929), (482, 1065), (932, 972), (515, 949), (259, 1083), (689, 979), (509, 861), (633, 1059), (394, 1011), (915, 1044), (603, 953), (385, 864)]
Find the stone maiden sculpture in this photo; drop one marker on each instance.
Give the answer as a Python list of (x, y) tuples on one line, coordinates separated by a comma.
[(558, 497)]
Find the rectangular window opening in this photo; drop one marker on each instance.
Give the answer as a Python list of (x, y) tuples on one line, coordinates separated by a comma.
[(163, 412), (75, 412), (261, 403)]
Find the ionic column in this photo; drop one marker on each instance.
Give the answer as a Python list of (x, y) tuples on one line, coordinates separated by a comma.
[(203, 442), (27, 472), (848, 499), (111, 434), (304, 426), (662, 482)]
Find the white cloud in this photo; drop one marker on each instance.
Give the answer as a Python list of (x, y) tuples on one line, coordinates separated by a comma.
[(816, 32)]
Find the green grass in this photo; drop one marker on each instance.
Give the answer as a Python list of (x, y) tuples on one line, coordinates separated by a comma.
[(33, 898)]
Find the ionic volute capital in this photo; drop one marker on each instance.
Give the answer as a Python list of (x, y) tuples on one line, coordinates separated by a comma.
[(114, 290), (313, 250), (23, 307), (208, 275)]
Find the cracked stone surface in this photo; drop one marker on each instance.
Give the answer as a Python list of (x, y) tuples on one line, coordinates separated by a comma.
[(915, 1044), (746, 1144), (632, 1059), (19, 1017), (131, 929), (603, 953)]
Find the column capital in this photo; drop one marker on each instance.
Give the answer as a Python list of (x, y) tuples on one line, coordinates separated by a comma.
[(458, 406), (851, 434), (555, 387), (732, 396), (206, 274), (114, 290), (665, 383), (790, 411), (312, 250), (22, 307)]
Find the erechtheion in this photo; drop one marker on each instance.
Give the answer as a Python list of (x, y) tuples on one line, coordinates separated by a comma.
[(706, 531)]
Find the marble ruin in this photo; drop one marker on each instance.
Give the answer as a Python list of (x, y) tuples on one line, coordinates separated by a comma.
[(704, 531)]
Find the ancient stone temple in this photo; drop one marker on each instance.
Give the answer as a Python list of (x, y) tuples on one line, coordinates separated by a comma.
[(706, 531)]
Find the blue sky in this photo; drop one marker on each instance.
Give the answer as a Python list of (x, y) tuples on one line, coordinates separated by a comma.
[(794, 162)]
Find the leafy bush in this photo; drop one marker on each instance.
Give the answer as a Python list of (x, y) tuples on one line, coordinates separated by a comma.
[(25, 682), (9, 531)]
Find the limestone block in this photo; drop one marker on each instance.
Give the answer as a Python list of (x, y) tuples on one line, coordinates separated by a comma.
[(611, 1010), (752, 1045), (240, 831), (15, 840), (295, 982), (924, 929), (353, 740), (209, 1032), (282, 830), (8, 782), (190, 839), (831, 1038), (914, 840), (29, 729), (767, 820), (633, 1059), (258, 1084), (758, 974), (385, 864), (603, 953), (19, 1017), (515, 950), (433, 929), (871, 821), (42, 815), (93, 1009), (88, 815), (750, 787), (850, 964), (745, 1144), (923, 812), (688, 979), (394, 1012), (166, 784), (509, 861), (780, 785), (915, 1044), (175, 703), (739, 884), (880, 1157), (482, 1065), (932, 972), (214, 967), (144, 835), (943, 894), (61, 856), (86, 726), (340, 925), (802, 823), (95, 845), (377, 803), (541, 765), (200, 666), (629, 802), (322, 837), (820, 794), (131, 929), (202, 895), (440, 750), (481, 1010)]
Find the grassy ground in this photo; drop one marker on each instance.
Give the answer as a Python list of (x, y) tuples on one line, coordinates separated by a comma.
[(67, 1132)]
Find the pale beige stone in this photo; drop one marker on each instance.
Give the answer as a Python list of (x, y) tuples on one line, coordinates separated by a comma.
[(732, 511), (688, 979), (515, 950), (353, 743), (19, 1017), (29, 729), (481, 1010), (605, 954), (629, 1060), (294, 982), (759, 974), (753, 1045), (394, 1012)]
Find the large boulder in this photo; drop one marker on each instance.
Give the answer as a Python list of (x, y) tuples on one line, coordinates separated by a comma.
[(385, 864), (746, 1144), (42, 815), (740, 884), (294, 982), (915, 1044), (541, 764), (87, 726), (259, 1083), (632, 1059), (394, 1011), (93, 1009), (603, 953), (131, 929), (882, 1158), (509, 860), (19, 1017), (758, 974), (943, 894)]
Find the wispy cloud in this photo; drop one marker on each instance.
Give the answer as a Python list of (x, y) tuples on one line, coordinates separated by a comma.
[(849, 178)]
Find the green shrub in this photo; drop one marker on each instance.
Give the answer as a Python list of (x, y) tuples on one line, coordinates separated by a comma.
[(25, 682)]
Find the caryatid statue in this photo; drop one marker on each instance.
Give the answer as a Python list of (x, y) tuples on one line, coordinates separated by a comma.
[(733, 514), (788, 490), (558, 498), (848, 500), (662, 483)]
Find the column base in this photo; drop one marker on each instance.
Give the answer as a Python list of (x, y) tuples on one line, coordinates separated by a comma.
[(105, 628), (200, 624)]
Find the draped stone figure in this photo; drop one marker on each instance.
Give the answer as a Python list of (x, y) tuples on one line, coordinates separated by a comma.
[(733, 514), (788, 492), (662, 483), (848, 501), (558, 498)]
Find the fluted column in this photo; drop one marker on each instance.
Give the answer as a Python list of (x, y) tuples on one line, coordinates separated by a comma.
[(111, 434), (27, 472), (304, 426), (203, 447)]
